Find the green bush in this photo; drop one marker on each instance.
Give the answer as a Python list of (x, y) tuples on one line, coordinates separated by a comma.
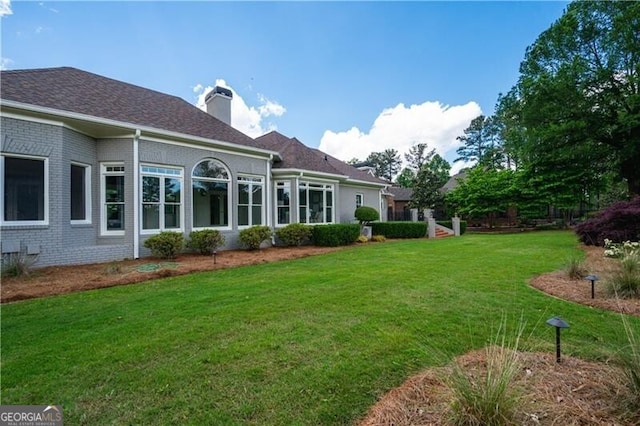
[(625, 283), (400, 229), (206, 241), (165, 245), (295, 234), (366, 214), (449, 224), (252, 238), (334, 235)]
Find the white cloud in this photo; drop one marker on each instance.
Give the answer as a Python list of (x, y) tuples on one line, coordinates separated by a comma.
[(401, 127), (5, 8), (5, 63), (250, 120)]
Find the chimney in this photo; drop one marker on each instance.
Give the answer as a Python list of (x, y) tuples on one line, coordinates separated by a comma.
[(218, 103)]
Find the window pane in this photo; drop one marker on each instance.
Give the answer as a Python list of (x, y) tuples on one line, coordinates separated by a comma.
[(150, 216), (114, 189), (283, 196), (328, 218), (150, 189), (329, 197), (172, 216), (257, 195), (256, 215), (303, 196), (243, 194), (24, 189), (243, 215), (78, 191), (172, 190), (303, 215), (211, 169), (210, 207), (283, 215), (115, 217)]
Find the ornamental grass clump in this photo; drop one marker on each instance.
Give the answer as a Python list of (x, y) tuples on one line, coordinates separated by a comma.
[(488, 398), (18, 264), (625, 282), (630, 361), (575, 268)]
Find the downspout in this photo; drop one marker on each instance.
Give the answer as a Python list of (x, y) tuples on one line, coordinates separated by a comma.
[(136, 194), (269, 202)]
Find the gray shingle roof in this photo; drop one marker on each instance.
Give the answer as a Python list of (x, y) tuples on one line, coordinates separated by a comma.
[(296, 155), (401, 194), (77, 91)]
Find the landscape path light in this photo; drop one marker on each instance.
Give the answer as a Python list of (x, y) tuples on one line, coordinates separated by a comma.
[(558, 323), (215, 252), (593, 279)]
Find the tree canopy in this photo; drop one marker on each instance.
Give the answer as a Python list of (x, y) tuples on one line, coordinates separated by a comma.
[(576, 105)]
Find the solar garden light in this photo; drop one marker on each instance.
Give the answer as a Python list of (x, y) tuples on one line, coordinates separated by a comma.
[(593, 279), (215, 252), (558, 323)]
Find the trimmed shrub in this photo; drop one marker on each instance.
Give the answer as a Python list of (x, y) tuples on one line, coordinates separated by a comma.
[(619, 222), (449, 224), (206, 241), (400, 229), (165, 245), (342, 234), (252, 238), (366, 214), (294, 234)]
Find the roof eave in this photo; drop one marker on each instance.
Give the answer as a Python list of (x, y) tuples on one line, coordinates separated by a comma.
[(69, 115)]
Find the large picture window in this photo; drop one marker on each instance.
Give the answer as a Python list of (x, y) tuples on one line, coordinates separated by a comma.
[(161, 198), (25, 190), (80, 193), (315, 203), (113, 205), (250, 200), (283, 194), (210, 185)]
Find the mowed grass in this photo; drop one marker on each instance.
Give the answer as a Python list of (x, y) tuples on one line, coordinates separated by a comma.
[(310, 341)]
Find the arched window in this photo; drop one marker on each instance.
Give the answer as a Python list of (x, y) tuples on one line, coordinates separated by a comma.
[(211, 197)]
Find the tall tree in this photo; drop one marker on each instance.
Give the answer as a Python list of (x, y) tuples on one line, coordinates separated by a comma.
[(481, 143), (428, 182), (418, 156), (578, 93), (405, 178), (387, 163)]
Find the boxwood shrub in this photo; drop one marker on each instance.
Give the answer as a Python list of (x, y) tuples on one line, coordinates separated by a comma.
[(449, 224), (400, 229), (165, 245), (206, 241), (294, 234), (342, 234), (252, 238)]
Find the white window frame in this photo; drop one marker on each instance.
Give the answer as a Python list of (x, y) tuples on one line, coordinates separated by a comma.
[(315, 186), (87, 194), (161, 172), (45, 220), (282, 184), (104, 172), (252, 181), (228, 181), (359, 199)]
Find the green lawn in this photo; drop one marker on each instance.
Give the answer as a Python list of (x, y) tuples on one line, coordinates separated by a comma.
[(310, 341)]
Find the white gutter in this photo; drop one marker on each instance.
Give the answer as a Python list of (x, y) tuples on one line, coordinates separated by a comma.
[(136, 194)]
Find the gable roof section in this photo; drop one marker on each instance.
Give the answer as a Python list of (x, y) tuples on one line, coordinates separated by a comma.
[(296, 155), (401, 194), (73, 90)]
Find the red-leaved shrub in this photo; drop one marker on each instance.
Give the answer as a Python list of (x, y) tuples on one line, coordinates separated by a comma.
[(619, 222)]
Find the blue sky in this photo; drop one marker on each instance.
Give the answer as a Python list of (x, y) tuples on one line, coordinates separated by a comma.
[(348, 77)]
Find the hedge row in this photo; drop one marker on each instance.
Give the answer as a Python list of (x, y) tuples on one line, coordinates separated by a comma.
[(341, 234), (400, 229)]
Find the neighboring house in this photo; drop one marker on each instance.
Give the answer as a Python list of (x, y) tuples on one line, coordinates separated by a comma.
[(92, 166), (454, 181), (399, 204)]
